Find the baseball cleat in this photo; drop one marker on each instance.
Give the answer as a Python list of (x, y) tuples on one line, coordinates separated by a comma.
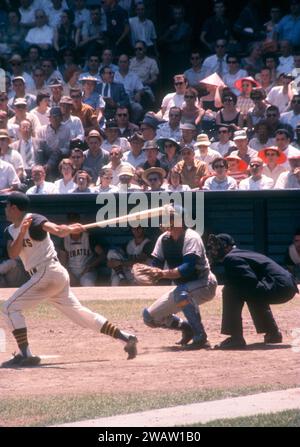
[(130, 347), (13, 362), (273, 337), (232, 343), (187, 334), (197, 344), (30, 361)]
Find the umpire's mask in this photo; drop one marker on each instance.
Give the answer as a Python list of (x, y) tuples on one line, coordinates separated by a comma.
[(217, 245)]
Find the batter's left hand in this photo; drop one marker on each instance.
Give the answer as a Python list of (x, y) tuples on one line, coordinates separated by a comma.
[(76, 228)]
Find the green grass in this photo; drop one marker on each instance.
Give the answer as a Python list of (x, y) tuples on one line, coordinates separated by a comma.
[(289, 418), (117, 309), (42, 411)]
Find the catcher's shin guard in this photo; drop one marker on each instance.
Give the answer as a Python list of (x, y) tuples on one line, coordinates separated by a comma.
[(191, 313)]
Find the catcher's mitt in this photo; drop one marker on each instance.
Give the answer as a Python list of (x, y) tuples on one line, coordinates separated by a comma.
[(146, 275)]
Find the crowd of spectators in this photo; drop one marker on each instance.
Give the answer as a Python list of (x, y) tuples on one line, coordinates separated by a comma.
[(103, 97)]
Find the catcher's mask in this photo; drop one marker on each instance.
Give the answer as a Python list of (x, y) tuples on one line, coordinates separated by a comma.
[(217, 245)]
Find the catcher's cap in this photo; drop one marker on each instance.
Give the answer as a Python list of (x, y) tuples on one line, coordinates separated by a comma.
[(19, 199)]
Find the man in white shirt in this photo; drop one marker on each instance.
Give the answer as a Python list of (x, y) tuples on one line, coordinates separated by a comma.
[(145, 67), (292, 117), (72, 122), (135, 156), (133, 87), (282, 141), (280, 95), (193, 74), (8, 177), (42, 34), (41, 111), (175, 99), (38, 174), (235, 72), (9, 154), (27, 9), (286, 60), (19, 87), (17, 69), (217, 62), (291, 178), (116, 163), (257, 179), (171, 129), (204, 152), (142, 28), (27, 145), (54, 12), (225, 143)]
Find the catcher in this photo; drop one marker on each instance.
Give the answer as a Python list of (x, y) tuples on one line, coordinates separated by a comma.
[(183, 251)]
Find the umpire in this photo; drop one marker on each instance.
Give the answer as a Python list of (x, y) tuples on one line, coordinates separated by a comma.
[(252, 278)]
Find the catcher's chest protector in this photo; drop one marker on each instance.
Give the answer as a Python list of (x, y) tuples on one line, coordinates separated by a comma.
[(173, 251)]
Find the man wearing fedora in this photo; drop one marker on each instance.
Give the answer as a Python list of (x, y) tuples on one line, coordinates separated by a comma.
[(150, 149), (243, 150), (57, 90), (55, 139), (203, 151), (72, 122), (149, 125), (113, 137), (189, 132), (135, 156), (95, 156), (21, 113)]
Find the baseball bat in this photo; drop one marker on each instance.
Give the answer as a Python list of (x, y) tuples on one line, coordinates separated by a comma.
[(154, 212)]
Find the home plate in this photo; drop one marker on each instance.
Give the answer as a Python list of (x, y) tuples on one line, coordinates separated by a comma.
[(43, 357)]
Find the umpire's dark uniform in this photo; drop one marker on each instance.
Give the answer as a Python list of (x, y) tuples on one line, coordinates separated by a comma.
[(258, 280)]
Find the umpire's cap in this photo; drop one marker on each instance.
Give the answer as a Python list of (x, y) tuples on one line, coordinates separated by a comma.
[(225, 239), (19, 199)]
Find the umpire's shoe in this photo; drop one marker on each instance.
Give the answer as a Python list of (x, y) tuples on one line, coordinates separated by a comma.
[(273, 337), (19, 361), (130, 347), (232, 343)]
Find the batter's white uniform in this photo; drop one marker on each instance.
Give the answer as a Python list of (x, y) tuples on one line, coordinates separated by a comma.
[(49, 281), (79, 255)]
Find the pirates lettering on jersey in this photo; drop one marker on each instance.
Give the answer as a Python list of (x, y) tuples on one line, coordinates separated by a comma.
[(27, 243), (79, 252)]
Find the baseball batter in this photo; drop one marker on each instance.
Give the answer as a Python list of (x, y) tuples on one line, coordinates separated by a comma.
[(29, 237), (188, 267)]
